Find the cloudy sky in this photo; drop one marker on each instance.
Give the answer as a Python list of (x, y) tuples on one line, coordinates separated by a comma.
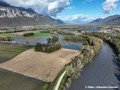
[(71, 11)]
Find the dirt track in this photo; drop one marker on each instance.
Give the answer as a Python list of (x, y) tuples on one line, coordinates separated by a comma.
[(40, 65)]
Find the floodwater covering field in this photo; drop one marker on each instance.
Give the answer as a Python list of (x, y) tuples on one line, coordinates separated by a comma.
[(71, 46), (43, 40), (10, 80)]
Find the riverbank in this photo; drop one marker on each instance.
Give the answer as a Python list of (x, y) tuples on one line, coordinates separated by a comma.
[(114, 43), (74, 68), (103, 71), (112, 39)]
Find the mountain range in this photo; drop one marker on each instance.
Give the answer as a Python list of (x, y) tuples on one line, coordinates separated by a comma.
[(18, 16), (111, 20), (12, 16)]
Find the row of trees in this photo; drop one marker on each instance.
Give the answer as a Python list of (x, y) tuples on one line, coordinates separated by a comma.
[(112, 39), (91, 48), (86, 55), (115, 43)]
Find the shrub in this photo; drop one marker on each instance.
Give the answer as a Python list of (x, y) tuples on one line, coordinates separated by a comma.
[(28, 34), (45, 86)]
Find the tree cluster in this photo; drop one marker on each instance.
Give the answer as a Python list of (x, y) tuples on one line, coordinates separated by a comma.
[(52, 40), (28, 34), (47, 48), (51, 45)]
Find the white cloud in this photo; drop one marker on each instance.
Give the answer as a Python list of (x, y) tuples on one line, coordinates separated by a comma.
[(77, 19), (109, 5), (48, 7)]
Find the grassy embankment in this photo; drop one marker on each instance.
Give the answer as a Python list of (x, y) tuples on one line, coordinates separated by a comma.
[(6, 34)]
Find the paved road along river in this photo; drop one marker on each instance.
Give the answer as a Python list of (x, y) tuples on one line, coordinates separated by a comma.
[(103, 71)]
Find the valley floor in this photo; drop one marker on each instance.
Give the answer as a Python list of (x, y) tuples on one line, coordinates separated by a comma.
[(38, 65)]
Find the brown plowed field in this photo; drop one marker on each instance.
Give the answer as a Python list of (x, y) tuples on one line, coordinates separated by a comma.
[(40, 65)]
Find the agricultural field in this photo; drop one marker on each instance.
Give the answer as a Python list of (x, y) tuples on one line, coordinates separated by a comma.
[(42, 34), (31, 38), (42, 66), (9, 51), (14, 81), (6, 34)]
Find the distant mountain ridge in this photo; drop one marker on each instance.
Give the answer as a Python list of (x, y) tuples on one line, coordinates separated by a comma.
[(12, 16), (96, 21), (111, 20)]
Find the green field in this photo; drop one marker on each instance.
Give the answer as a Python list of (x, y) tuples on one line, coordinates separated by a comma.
[(42, 34), (9, 51), (6, 34)]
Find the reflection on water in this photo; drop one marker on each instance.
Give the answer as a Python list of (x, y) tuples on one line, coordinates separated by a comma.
[(65, 29), (71, 46)]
